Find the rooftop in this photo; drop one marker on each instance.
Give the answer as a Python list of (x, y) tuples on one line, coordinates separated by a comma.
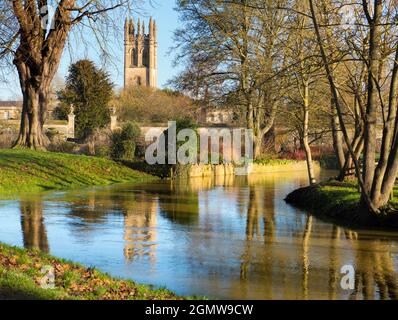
[(10, 103)]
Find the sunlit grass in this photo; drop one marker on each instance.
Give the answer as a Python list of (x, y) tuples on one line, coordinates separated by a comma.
[(23, 171), (342, 202), (20, 274), (275, 162)]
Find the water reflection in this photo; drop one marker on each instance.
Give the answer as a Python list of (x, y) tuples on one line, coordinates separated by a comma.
[(178, 202), (140, 229), (376, 278), (139, 212), (33, 227), (230, 237)]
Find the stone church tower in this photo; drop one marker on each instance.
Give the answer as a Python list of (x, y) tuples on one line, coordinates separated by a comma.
[(140, 54)]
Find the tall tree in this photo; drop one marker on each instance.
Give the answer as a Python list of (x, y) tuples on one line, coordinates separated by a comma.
[(89, 90), (232, 48), (376, 178), (305, 79), (35, 45)]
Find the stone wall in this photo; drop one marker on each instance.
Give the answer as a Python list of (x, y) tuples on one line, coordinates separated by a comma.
[(64, 128), (298, 166), (203, 170)]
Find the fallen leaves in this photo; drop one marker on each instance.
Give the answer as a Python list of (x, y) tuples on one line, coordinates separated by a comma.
[(76, 281)]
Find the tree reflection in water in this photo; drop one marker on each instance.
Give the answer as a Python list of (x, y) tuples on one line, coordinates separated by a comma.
[(32, 223), (374, 263)]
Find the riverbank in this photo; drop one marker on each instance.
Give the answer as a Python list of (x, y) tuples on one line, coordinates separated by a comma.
[(26, 171), (339, 202), (21, 276), (268, 166)]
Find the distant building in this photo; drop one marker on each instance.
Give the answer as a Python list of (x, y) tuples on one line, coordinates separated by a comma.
[(140, 54), (10, 110), (216, 116)]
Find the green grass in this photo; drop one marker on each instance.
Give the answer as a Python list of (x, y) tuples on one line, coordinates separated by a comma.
[(333, 194), (275, 162), (23, 171), (341, 202), (21, 274)]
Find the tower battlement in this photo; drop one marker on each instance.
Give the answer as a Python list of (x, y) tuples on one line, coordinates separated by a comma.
[(140, 54)]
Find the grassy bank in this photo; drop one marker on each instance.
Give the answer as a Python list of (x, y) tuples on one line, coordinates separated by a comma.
[(24, 171), (21, 274), (340, 202)]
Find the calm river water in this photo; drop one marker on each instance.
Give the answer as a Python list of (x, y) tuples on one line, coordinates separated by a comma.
[(232, 238)]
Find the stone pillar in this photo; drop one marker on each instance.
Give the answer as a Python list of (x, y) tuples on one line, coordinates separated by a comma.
[(71, 124), (113, 119)]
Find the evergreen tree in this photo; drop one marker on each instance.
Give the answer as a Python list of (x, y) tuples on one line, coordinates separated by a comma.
[(89, 90)]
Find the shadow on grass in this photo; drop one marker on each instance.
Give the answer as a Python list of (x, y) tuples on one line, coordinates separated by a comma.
[(15, 294)]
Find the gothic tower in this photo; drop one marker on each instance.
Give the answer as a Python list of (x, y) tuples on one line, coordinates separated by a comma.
[(140, 54)]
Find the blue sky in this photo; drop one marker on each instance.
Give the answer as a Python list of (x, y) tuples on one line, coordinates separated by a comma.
[(167, 21)]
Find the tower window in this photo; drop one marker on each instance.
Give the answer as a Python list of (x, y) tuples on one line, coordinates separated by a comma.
[(145, 58), (133, 57)]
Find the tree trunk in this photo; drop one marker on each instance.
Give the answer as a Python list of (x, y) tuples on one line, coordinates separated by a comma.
[(307, 148), (337, 139), (37, 59), (369, 161), (357, 145), (31, 133), (382, 185), (258, 144)]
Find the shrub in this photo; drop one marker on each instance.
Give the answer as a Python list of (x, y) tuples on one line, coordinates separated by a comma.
[(63, 147), (124, 142), (52, 134), (8, 134), (97, 143), (102, 151), (295, 155)]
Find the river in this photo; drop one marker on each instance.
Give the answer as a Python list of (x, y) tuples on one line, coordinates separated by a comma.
[(224, 238)]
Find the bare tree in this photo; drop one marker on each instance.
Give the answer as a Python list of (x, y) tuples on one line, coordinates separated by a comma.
[(306, 77), (233, 50), (377, 178)]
